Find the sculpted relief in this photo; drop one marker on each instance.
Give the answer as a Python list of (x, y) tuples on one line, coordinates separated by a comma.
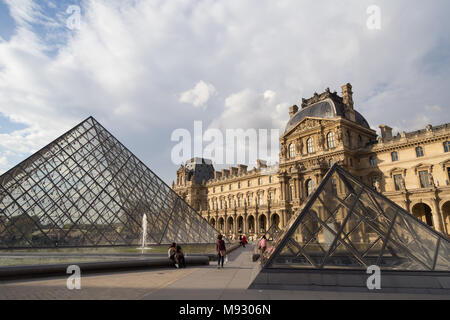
[(299, 146)]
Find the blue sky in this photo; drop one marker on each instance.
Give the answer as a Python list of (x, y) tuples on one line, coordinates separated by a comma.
[(146, 68)]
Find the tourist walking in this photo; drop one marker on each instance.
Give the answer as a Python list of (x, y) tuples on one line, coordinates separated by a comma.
[(221, 251), (262, 245), (244, 240), (240, 240)]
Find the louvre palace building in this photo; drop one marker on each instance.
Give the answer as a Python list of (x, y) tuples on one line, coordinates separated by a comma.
[(410, 168)]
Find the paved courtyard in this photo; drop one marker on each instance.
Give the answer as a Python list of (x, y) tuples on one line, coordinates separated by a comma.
[(202, 283)]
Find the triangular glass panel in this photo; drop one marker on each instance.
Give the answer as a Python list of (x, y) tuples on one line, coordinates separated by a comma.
[(348, 225), (87, 189)]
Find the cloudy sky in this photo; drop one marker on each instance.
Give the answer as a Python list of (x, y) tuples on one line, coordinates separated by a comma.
[(144, 68)]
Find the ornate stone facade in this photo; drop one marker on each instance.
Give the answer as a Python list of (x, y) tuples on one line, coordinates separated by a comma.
[(412, 169)]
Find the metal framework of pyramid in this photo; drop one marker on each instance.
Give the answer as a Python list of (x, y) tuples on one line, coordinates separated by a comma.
[(86, 189), (348, 225)]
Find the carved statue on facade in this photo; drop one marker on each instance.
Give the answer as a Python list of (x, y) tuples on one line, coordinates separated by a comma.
[(321, 142), (339, 136), (283, 151), (432, 181), (299, 146), (402, 184), (378, 185)]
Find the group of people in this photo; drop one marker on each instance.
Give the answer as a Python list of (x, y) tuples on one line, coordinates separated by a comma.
[(242, 240), (176, 255)]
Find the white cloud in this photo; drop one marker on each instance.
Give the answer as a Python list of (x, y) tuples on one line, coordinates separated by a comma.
[(199, 95), (131, 59), (249, 109)]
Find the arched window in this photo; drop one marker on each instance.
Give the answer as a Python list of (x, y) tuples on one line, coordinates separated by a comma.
[(291, 151), (309, 187), (360, 141), (419, 152), (310, 145), (331, 140), (260, 199)]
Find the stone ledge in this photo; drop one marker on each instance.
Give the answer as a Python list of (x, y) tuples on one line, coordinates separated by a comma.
[(20, 272)]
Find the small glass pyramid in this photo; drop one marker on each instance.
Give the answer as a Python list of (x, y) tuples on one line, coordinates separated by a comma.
[(86, 189), (348, 225)]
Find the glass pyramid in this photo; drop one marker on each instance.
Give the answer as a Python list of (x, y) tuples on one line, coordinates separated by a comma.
[(348, 225), (86, 189)]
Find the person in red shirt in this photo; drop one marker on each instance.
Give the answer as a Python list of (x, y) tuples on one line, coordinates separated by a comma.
[(244, 240)]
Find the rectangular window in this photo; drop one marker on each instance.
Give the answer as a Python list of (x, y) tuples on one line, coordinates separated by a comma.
[(394, 156), (398, 181), (447, 146), (419, 152), (424, 179)]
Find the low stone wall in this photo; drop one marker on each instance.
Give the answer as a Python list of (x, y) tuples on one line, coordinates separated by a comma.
[(352, 280), (19, 272)]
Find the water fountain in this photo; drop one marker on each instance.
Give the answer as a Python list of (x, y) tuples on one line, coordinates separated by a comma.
[(144, 233)]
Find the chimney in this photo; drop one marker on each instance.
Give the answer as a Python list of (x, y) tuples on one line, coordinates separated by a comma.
[(347, 95), (386, 132), (261, 164), (225, 173), (242, 169), (293, 110)]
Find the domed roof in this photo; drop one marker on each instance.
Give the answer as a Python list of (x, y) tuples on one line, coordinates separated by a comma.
[(324, 109)]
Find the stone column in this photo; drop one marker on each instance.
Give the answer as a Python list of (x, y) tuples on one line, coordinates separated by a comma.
[(244, 224), (283, 196), (437, 221)]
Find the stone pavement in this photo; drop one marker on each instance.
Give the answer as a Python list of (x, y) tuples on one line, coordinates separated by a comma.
[(202, 283)]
